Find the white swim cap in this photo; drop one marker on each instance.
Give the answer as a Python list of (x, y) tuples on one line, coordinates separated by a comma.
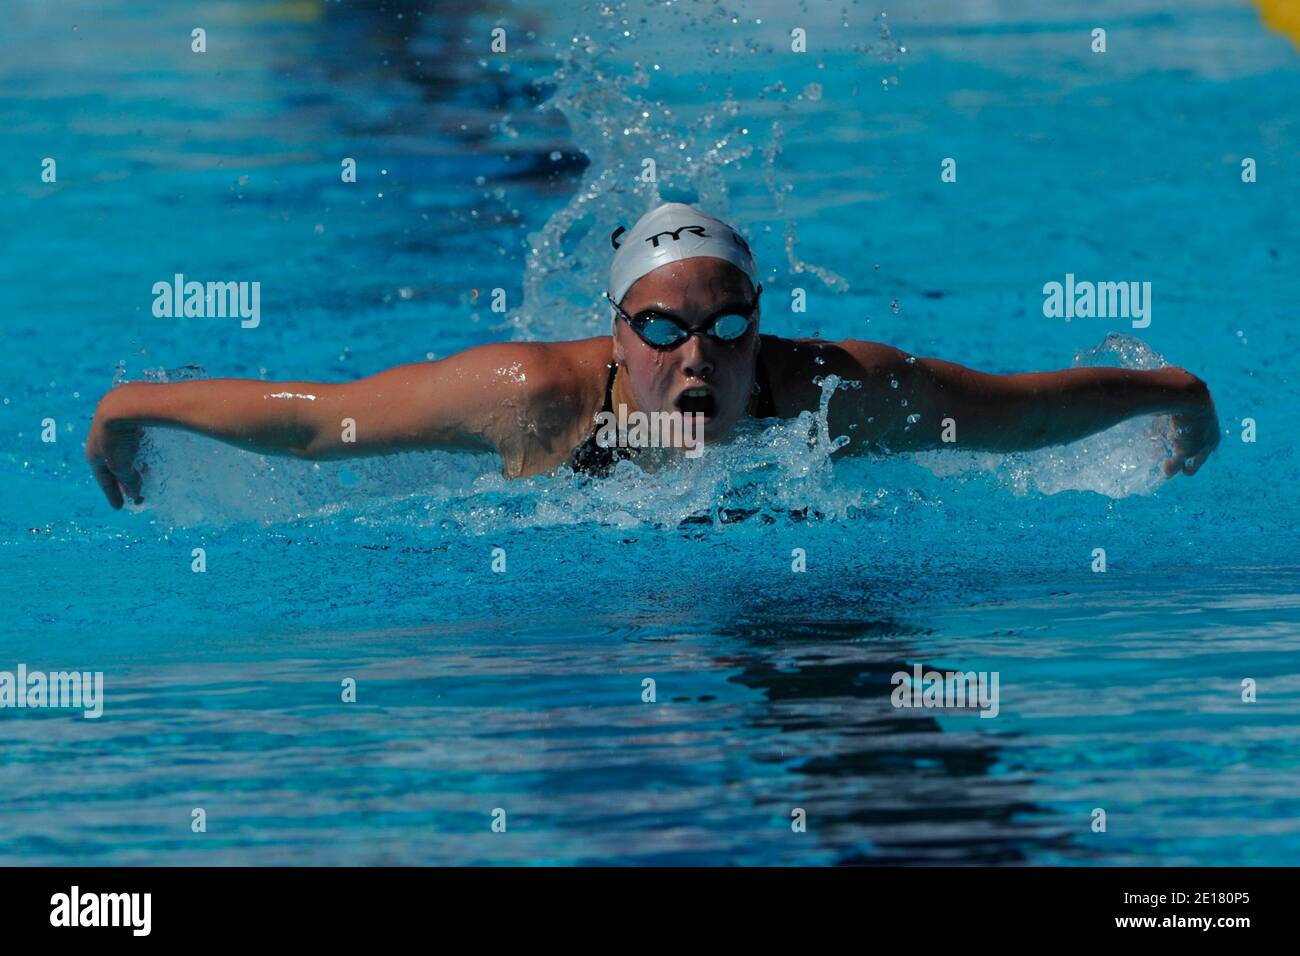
[(670, 233)]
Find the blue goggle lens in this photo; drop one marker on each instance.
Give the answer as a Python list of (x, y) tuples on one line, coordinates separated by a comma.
[(665, 333)]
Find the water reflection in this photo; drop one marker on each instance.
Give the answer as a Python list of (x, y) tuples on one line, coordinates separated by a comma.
[(457, 89), (885, 786)]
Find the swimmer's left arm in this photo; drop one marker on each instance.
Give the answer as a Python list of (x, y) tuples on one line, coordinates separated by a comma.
[(1022, 412)]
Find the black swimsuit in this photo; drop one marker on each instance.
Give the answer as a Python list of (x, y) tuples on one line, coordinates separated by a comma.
[(592, 458)]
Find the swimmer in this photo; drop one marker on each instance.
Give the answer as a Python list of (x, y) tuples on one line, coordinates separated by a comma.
[(685, 300)]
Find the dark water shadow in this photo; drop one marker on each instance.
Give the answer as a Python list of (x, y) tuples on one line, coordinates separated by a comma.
[(907, 791)]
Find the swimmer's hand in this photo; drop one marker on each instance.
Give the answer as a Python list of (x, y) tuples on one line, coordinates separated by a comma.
[(111, 449), (1194, 433)]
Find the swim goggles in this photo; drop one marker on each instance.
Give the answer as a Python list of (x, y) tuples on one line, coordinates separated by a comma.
[(664, 332)]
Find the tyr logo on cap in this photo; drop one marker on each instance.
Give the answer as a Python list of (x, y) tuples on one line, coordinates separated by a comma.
[(677, 234)]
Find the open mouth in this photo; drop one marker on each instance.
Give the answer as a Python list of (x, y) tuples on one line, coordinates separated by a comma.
[(698, 401)]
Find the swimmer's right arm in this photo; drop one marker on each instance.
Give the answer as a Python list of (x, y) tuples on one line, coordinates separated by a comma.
[(452, 404)]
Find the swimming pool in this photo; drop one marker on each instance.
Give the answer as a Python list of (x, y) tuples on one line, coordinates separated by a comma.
[(523, 690)]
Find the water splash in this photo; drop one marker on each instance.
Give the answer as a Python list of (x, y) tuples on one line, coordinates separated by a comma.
[(644, 149), (797, 265), (774, 468), (622, 133)]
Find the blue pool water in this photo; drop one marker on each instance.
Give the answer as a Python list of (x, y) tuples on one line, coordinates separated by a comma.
[(523, 690)]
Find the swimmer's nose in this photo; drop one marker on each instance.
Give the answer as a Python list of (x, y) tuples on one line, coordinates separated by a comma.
[(696, 362)]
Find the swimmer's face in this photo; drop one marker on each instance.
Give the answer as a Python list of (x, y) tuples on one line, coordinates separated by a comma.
[(702, 374)]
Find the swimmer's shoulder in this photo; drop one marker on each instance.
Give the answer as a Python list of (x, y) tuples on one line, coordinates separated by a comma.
[(580, 359), (547, 372), (552, 391), (793, 365), (555, 389), (551, 386), (570, 376)]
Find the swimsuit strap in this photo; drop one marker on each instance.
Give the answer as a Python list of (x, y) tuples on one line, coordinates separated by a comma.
[(589, 457), (609, 388)]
